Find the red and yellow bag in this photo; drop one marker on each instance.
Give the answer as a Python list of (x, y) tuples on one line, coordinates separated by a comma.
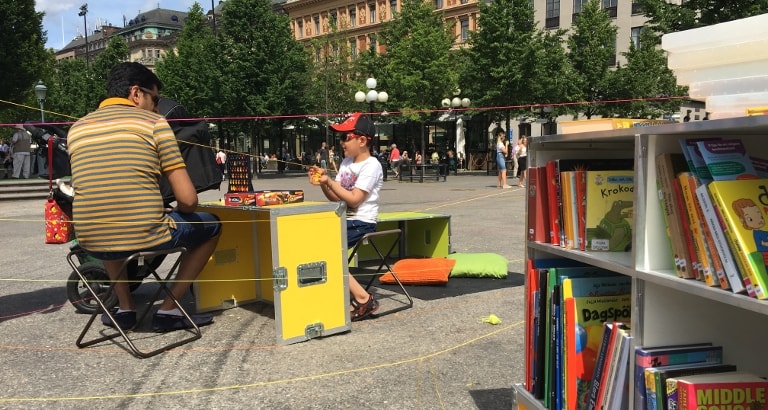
[(58, 227)]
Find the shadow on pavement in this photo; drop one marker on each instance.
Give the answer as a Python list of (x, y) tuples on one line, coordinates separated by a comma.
[(459, 286), (492, 399), (38, 301)]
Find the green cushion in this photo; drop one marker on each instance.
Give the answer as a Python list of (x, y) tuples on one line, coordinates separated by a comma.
[(478, 265)]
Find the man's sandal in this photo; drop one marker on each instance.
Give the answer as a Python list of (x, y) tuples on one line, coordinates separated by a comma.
[(362, 310)]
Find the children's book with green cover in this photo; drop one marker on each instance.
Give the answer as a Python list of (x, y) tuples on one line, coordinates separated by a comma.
[(742, 205), (610, 196), (727, 159)]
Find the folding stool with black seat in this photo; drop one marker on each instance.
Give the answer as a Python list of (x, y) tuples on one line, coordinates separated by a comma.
[(370, 239), (163, 282)]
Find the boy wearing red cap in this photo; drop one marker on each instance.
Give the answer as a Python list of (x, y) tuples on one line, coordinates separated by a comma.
[(357, 183)]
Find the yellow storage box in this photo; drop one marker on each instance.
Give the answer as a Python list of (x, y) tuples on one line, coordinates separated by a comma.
[(275, 254)]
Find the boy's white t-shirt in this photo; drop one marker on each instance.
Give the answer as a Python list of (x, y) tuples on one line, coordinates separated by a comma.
[(367, 176)]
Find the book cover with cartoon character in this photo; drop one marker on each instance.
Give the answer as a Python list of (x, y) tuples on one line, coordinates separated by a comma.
[(743, 205), (609, 208)]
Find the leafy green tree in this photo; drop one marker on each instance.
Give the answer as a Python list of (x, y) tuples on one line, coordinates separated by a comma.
[(417, 70), (192, 74), (502, 66), (666, 17), (265, 70), (645, 75), (554, 79), (591, 46), (69, 94), (23, 59)]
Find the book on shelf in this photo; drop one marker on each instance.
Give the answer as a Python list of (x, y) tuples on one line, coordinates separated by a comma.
[(604, 124), (688, 183), (717, 236), (729, 390), (696, 163), (668, 165), (538, 208), (760, 165), (646, 357), (604, 357), (741, 204), (553, 200), (686, 222), (726, 159), (567, 185), (609, 205), (580, 176), (656, 379), (617, 394), (589, 302)]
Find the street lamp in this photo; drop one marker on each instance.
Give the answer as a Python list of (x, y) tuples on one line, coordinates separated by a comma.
[(40, 91), (452, 104), (372, 95), (82, 13)]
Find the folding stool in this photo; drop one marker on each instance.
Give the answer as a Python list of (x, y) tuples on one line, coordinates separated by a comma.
[(370, 239), (163, 282)]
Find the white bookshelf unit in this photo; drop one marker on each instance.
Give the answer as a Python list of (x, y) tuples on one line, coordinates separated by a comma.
[(665, 309)]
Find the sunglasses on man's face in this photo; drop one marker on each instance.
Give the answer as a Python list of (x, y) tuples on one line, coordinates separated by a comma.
[(155, 97)]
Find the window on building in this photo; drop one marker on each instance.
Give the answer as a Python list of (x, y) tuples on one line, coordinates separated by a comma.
[(611, 6), (464, 23), (353, 48), (392, 7), (317, 23), (553, 14), (578, 5), (438, 4), (300, 28), (372, 12), (464, 1), (372, 41), (635, 34), (352, 16)]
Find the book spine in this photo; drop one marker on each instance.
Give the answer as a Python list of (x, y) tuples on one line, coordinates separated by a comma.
[(721, 243), (665, 176), (600, 363), (741, 254), (650, 388), (680, 204), (533, 211), (687, 186), (672, 396), (581, 212), (552, 182)]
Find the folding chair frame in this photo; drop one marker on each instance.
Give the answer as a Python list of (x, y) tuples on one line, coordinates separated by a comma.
[(370, 238), (195, 330)]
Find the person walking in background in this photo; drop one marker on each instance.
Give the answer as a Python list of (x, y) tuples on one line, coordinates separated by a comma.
[(522, 160), (221, 161), (21, 143), (394, 160), (323, 153), (502, 149), (332, 158)]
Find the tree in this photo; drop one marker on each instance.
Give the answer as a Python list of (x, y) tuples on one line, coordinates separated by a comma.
[(645, 75), (116, 52), (417, 70), (69, 94), (191, 75), (554, 79), (591, 46), (502, 66), (23, 59), (665, 17)]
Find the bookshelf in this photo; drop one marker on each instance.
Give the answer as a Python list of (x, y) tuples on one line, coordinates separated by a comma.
[(665, 309)]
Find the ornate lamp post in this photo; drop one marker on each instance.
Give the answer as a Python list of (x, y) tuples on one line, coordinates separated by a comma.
[(40, 91), (372, 95), (452, 104)]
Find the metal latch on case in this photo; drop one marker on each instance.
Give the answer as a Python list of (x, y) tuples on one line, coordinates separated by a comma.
[(314, 330), (280, 278)]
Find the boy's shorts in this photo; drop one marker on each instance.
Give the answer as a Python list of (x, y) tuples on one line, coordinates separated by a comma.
[(356, 230), (192, 229)]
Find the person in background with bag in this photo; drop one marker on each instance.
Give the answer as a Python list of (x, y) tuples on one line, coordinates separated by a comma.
[(502, 149), (221, 160), (21, 144), (114, 221)]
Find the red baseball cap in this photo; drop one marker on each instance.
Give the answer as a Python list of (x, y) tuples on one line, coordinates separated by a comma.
[(357, 123)]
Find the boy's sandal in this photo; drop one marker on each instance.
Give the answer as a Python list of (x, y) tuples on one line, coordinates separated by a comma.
[(362, 310)]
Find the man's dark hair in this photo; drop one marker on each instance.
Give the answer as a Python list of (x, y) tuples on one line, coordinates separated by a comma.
[(125, 75)]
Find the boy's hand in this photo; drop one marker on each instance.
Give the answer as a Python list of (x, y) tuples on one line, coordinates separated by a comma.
[(317, 175)]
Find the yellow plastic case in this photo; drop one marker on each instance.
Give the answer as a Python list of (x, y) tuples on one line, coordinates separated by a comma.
[(423, 235), (290, 255)]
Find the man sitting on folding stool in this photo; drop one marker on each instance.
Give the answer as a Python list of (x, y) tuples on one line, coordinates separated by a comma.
[(118, 154)]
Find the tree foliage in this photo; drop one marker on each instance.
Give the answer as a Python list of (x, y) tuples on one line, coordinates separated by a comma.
[(591, 45), (191, 74), (23, 57), (115, 53), (418, 70), (665, 17), (69, 92)]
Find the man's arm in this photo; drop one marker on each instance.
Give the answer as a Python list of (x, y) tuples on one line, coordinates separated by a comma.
[(183, 189)]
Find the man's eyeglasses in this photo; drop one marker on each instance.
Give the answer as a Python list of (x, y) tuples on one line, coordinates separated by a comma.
[(155, 97)]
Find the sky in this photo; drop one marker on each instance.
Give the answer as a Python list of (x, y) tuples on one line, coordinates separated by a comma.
[(63, 24)]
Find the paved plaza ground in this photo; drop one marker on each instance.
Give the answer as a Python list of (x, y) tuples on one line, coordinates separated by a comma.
[(437, 355)]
